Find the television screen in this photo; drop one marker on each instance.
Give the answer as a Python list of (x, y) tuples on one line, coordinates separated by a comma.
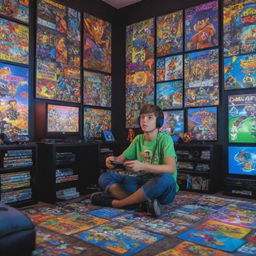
[(62, 119), (14, 109), (242, 160)]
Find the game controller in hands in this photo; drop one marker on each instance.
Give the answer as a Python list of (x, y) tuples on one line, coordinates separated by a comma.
[(117, 164)]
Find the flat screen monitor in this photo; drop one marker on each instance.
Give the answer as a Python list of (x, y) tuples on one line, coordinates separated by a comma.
[(242, 160), (62, 120)]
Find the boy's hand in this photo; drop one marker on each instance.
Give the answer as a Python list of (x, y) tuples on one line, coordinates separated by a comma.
[(134, 165), (108, 161)]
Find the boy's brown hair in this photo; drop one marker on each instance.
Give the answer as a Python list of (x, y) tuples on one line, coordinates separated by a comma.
[(151, 108)]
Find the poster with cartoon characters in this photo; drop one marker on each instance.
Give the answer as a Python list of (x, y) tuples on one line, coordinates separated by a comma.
[(201, 26), (240, 72), (97, 89), (58, 36), (140, 46), (202, 123), (97, 43), (242, 118), (14, 101), (96, 120), (14, 42), (173, 123), (17, 9), (242, 160), (239, 26), (169, 34), (139, 69), (169, 95), (201, 73), (57, 81), (169, 68)]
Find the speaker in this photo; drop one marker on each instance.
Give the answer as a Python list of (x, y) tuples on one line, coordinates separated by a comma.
[(159, 119)]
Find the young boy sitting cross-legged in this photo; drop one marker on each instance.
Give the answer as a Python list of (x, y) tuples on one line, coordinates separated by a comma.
[(152, 157)]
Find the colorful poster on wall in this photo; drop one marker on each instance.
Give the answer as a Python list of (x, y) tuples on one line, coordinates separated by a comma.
[(58, 82), (242, 118), (201, 78), (242, 160), (239, 25), (169, 33), (240, 72), (17, 9), (96, 120), (173, 123), (58, 33), (201, 26), (139, 69), (202, 123), (14, 42), (139, 91), (140, 46), (169, 95), (97, 44), (97, 89), (169, 68), (14, 101)]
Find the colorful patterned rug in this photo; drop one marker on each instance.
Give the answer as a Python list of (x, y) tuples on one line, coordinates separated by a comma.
[(194, 224)]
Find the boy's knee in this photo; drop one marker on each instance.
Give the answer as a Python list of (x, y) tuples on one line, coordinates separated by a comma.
[(102, 179), (168, 180)]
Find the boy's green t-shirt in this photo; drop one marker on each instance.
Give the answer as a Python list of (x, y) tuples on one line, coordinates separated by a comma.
[(153, 152)]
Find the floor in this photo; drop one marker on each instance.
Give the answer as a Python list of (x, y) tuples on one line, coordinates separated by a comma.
[(79, 228)]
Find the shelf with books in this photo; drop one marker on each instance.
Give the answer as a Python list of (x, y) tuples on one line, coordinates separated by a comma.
[(66, 169), (198, 167), (17, 174)]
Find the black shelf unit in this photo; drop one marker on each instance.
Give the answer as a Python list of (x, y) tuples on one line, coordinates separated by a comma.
[(198, 167), (15, 155), (84, 164)]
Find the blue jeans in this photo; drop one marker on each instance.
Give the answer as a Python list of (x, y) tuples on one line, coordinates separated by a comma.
[(162, 187)]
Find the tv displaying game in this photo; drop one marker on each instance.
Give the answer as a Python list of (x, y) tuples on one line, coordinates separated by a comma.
[(242, 160), (62, 120)]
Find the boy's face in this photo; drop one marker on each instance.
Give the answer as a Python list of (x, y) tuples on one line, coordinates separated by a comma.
[(148, 122)]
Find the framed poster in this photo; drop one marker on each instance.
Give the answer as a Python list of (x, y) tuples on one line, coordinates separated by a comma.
[(17, 9), (201, 26), (57, 81), (140, 46), (240, 72), (58, 33), (14, 107), (173, 123), (169, 95), (242, 118), (14, 42), (97, 89), (169, 33), (202, 123), (239, 25), (95, 121), (97, 44), (169, 68), (201, 73)]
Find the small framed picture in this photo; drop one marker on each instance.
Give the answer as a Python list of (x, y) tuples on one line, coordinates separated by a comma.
[(108, 135)]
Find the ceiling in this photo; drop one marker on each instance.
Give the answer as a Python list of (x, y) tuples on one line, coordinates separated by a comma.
[(120, 3)]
